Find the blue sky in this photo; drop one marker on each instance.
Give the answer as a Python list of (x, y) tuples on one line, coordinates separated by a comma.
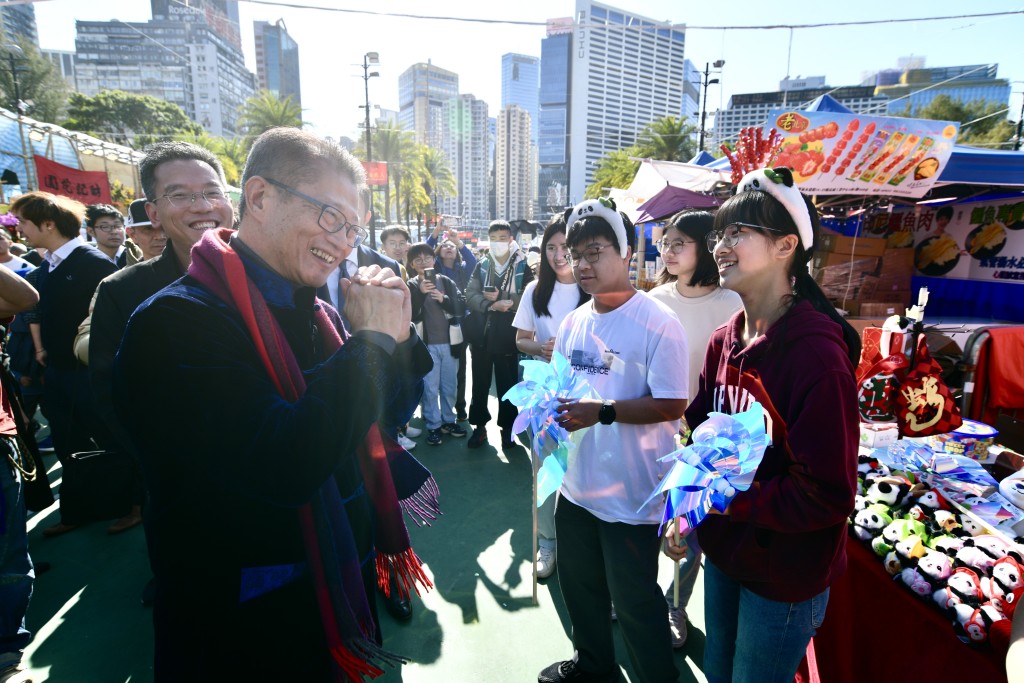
[(331, 44)]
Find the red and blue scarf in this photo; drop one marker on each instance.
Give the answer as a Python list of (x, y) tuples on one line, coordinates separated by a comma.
[(394, 481)]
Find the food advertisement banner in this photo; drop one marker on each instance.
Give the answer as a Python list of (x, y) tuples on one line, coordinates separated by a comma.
[(968, 241), (832, 153)]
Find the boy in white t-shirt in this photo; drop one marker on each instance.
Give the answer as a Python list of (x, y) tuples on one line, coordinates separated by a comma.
[(633, 352)]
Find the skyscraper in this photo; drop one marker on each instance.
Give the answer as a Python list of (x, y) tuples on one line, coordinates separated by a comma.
[(18, 23), (917, 86), (422, 91), (277, 60), (466, 135), (181, 58), (221, 16), (627, 71), (513, 167), (553, 119), (520, 85)]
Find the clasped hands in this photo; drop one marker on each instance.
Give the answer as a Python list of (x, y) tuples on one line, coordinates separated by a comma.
[(378, 300)]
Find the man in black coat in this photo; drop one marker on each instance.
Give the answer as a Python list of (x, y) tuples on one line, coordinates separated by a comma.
[(186, 184), (66, 282)]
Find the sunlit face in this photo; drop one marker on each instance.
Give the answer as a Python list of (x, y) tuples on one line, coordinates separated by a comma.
[(422, 261), (184, 222), (36, 237), (556, 252), (682, 264), (396, 246), (608, 272), (108, 232), (290, 238), (448, 250), (151, 239), (745, 265)]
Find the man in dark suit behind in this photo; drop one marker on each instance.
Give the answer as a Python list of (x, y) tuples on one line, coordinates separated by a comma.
[(185, 184), (66, 282)]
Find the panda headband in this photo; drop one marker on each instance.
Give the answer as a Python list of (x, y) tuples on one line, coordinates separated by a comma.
[(779, 184), (603, 208)]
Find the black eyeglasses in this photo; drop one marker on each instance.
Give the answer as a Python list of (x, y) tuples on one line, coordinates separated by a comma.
[(108, 227), (591, 254), (182, 199), (675, 246), (330, 219), (730, 235)]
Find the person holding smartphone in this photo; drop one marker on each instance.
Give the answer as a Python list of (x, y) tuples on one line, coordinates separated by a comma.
[(435, 300)]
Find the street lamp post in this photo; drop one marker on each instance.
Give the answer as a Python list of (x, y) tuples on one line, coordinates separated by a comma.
[(369, 59), (704, 107)]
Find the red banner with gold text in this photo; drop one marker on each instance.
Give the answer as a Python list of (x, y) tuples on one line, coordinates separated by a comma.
[(88, 187)]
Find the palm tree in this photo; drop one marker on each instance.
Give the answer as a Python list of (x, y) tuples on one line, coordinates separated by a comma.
[(438, 178), (397, 148), (264, 111), (669, 138), (216, 145), (615, 169)]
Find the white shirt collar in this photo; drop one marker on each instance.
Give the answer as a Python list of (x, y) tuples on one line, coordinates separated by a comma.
[(62, 252)]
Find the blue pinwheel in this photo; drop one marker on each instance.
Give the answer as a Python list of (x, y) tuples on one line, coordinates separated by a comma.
[(537, 399), (722, 459)]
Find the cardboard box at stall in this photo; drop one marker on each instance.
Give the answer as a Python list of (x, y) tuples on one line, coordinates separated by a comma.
[(858, 246)]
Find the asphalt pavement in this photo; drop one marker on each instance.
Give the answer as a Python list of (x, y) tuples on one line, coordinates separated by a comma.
[(479, 623)]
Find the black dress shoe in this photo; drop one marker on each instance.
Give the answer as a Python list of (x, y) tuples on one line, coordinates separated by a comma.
[(398, 607)]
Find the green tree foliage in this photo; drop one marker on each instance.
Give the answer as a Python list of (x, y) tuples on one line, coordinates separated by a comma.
[(615, 169), (127, 119), (438, 179), (669, 138), (397, 147), (988, 127), (217, 145), (42, 88), (264, 111)]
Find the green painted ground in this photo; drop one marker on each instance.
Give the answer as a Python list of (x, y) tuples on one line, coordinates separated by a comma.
[(478, 624)]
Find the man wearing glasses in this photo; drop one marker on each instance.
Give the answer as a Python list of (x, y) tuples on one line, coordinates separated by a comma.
[(185, 186), (632, 351), (105, 224), (272, 503)]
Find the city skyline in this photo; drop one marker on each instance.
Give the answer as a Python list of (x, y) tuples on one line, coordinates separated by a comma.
[(755, 60)]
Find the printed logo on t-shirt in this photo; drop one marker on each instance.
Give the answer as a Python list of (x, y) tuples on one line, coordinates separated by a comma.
[(591, 363)]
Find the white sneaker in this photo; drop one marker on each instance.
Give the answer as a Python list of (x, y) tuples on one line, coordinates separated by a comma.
[(412, 432), (677, 625), (406, 443), (545, 562)]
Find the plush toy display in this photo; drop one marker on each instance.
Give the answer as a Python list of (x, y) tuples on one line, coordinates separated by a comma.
[(931, 572), (962, 587), (1013, 488), (948, 557)]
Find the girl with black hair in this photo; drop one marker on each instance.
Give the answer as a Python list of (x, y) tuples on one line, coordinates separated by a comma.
[(545, 303), (770, 558), (688, 284)]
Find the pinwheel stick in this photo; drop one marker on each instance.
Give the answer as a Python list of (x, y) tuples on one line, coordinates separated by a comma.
[(533, 506), (675, 584)]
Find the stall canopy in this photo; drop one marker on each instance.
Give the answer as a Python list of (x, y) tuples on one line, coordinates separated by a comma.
[(662, 188)]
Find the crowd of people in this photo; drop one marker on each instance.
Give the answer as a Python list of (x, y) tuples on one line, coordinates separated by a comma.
[(217, 346)]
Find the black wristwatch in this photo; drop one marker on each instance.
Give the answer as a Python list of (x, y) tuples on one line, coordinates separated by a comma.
[(607, 413)]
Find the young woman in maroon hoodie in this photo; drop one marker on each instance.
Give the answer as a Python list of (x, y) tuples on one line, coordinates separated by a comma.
[(770, 558)]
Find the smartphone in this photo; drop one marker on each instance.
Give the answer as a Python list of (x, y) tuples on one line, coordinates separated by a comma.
[(490, 288), (428, 274)]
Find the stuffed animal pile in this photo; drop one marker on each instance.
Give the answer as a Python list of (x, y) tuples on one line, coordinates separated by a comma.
[(943, 557)]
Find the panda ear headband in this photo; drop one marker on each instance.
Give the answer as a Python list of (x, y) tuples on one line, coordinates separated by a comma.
[(603, 208), (779, 184)]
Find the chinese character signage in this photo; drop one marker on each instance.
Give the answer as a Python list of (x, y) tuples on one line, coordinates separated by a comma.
[(970, 241), (88, 187), (376, 173), (832, 153)]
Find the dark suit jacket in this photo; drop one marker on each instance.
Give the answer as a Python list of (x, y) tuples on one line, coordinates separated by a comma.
[(64, 296), (116, 299), (365, 257)]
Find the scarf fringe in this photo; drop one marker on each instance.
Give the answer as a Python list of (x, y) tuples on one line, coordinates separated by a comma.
[(407, 569), (423, 506)]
